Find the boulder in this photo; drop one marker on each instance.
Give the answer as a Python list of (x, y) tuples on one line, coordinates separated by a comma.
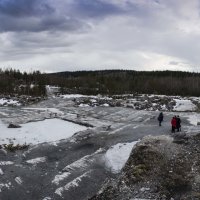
[(11, 125)]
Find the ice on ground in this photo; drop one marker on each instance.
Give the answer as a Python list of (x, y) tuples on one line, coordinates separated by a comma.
[(18, 180), (184, 105), (48, 130), (60, 177), (36, 160), (6, 163), (117, 155), (72, 184)]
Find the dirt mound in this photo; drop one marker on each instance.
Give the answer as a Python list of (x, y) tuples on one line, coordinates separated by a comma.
[(158, 168)]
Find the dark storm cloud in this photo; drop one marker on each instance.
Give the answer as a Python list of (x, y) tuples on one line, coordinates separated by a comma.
[(34, 16), (45, 15), (24, 8), (35, 24), (95, 8)]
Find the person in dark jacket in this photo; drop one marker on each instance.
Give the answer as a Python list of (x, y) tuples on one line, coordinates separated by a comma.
[(178, 123), (173, 123), (160, 118)]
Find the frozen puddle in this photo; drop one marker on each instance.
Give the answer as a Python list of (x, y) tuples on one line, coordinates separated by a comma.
[(48, 130)]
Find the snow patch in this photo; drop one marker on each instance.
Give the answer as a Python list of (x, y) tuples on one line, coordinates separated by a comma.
[(60, 177), (184, 105), (6, 163), (72, 184), (117, 155), (18, 180), (4, 101), (1, 172), (36, 160), (5, 185), (69, 96), (49, 130), (47, 198), (193, 118), (84, 105)]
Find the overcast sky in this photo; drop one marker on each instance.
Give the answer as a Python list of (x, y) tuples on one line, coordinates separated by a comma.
[(69, 35)]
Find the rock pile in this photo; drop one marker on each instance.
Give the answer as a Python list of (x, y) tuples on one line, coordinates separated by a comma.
[(19, 100)]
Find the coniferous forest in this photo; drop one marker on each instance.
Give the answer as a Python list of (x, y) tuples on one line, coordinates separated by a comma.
[(22, 83), (101, 82), (127, 81)]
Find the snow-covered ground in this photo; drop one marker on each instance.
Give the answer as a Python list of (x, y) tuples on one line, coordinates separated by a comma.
[(9, 102), (184, 105), (117, 155), (76, 168), (48, 130)]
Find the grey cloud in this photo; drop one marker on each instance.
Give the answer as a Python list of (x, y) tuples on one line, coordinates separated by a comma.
[(35, 24), (44, 15), (24, 8), (111, 32), (35, 16), (95, 8), (173, 63)]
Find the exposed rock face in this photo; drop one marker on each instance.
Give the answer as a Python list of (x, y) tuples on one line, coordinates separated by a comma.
[(158, 168)]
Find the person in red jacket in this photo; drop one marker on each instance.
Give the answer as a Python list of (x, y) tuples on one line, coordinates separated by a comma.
[(173, 123)]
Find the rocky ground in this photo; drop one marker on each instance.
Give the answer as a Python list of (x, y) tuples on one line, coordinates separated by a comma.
[(75, 167), (19, 100), (158, 168)]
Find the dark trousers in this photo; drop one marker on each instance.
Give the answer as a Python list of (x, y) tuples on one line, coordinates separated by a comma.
[(173, 129), (178, 128)]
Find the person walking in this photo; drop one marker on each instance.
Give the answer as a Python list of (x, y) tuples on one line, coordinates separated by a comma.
[(178, 123), (160, 118), (173, 123)]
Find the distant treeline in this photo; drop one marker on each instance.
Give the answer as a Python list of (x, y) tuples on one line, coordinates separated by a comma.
[(128, 81), (22, 83), (101, 82)]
